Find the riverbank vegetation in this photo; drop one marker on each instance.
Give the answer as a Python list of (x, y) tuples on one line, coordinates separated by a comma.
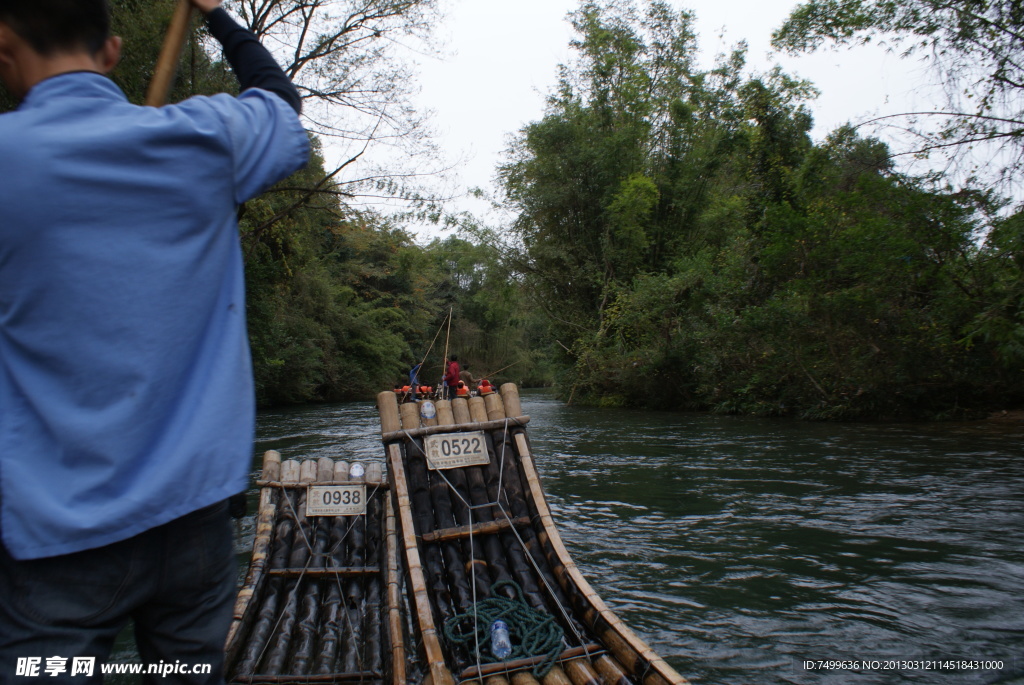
[(680, 241), (694, 248)]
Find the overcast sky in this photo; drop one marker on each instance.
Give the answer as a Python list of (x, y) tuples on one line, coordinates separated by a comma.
[(501, 59)]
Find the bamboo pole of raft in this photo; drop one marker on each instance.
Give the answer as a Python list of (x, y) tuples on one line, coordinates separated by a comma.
[(445, 417), (444, 518), (459, 425), (459, 506), (423, 512), (301, 661), (526, 662), (246, 604), (627, 648), (277, 656), (611, 672), (503, 475), (438, 673), (556, 676), (581, 672), (393, 579), (374, 652), (284, 531), (353, 596), (330, 628), (496, 561), (524, 678)]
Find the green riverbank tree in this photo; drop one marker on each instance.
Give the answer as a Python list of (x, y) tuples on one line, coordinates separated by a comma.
[(692, 247)]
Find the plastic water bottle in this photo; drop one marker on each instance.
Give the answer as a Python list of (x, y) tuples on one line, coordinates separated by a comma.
[(501, 643)]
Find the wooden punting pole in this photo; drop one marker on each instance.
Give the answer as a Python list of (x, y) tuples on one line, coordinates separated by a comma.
[(438, 674)]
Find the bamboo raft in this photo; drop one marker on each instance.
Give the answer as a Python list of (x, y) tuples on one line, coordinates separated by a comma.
[(476, 528), (321, 601)]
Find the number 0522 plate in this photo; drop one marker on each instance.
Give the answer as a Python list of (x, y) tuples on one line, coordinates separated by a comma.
[(336, 500), (454, 450)]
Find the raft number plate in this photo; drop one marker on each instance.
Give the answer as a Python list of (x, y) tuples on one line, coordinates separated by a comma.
[(336, 500), (454, 450)]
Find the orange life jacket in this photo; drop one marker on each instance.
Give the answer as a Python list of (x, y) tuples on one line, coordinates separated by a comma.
[(461, 390), (485, 387)]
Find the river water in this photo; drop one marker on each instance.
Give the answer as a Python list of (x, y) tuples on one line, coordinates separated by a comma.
[(740, 549)]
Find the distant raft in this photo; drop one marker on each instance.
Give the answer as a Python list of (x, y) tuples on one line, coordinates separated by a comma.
[(321, 601), (478, 545)]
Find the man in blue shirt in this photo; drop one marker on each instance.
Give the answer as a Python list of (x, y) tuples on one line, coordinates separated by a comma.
[(126, 390)]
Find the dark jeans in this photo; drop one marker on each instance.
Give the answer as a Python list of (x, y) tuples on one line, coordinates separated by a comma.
[(176, 581)]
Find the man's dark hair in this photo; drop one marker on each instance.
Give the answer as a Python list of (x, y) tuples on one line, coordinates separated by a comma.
[(56, 26)]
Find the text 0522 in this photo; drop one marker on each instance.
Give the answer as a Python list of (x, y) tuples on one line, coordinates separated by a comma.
[(454, 450)]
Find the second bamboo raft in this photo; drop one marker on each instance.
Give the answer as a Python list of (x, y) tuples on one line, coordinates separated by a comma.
[(322, 600), (475, 526)]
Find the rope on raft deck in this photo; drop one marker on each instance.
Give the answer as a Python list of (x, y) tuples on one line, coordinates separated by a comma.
[(535, 633)]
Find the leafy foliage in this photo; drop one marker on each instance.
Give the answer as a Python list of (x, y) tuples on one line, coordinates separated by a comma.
[(346, 58), (976, 49), (693, 248)]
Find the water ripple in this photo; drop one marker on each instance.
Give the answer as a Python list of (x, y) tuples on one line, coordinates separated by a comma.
[(738, 548)]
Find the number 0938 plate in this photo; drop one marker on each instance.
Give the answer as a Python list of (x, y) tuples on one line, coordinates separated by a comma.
[(336, 500), (454, 450)]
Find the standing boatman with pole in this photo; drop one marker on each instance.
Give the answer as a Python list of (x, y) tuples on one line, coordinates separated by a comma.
[(126, 393)]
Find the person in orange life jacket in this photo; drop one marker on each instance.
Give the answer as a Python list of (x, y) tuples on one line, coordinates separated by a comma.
[(485, 387), (462, 390), (451, 376)]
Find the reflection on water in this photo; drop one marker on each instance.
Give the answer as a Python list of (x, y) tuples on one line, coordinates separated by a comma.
[(738, 548)]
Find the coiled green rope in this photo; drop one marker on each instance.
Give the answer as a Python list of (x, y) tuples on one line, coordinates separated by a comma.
[(534, 633)]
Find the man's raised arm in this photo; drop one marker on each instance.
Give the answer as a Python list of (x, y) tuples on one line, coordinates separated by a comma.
[(252, 63)]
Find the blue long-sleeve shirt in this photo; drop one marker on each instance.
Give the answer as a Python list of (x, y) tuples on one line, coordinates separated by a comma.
[(126, 391)]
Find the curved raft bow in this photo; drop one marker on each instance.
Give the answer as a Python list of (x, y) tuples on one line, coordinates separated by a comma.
[(475, 526)]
